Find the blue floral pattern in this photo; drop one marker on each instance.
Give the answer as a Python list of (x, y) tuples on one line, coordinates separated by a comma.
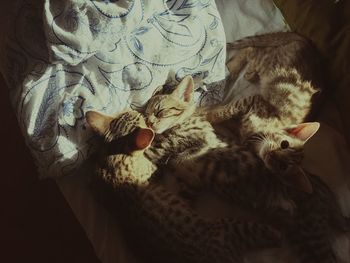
[(106, 56)]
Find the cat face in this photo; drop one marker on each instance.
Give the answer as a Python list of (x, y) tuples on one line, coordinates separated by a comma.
[(164, 111), (125, 133), (282, 151)]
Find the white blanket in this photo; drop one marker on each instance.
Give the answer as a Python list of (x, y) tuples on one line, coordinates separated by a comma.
[(106, 56)]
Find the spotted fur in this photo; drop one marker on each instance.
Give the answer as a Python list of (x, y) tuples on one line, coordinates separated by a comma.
[(237, 175), (173, 117), (279, 65), (167, 227)]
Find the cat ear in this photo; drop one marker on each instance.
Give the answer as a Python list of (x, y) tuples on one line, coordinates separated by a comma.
[(299, 180), (304, 131), (185, 89), (98, 121), (143, 138), (158, 91)]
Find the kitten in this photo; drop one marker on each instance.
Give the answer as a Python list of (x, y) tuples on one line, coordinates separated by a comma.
[(164, 111), (238, 175), (170, 230), (172, 116), (267, 116), (186, 134), (237, 163)]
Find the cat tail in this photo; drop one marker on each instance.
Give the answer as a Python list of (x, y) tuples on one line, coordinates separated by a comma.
[(267, 40)]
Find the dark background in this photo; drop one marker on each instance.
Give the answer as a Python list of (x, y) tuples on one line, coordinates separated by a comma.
[(37, 224)]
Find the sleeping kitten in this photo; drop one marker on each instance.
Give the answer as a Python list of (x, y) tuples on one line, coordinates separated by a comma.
[(170, 230), (172, 116)]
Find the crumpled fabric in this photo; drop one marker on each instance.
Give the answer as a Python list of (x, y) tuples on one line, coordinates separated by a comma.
[(71, 56)]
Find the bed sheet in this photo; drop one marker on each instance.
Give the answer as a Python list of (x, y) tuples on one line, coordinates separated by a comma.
[(64, 58)]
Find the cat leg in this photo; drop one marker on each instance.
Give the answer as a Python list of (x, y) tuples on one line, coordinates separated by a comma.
[(221, 113), (237, 63)]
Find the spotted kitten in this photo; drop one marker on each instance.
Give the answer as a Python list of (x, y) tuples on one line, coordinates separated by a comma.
[(239, 176), (168, 229), (279, 98), (186, 134), (172, 116)]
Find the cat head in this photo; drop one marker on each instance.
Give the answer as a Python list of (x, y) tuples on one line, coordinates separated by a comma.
[(282, 152), (164, 111), (124, 133)]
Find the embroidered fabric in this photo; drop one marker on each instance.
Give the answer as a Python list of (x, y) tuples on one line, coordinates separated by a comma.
[(70, 56)]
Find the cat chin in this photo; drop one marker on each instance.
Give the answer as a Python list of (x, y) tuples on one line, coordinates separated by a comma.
[(266, 157)]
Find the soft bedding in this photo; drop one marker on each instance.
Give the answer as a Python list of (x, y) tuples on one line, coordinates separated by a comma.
[(102, 55), (71, 76)]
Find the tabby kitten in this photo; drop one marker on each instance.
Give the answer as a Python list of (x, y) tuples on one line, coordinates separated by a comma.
[(187, 135), (268, 114), (172, 116), (238, 175), (170, 230)]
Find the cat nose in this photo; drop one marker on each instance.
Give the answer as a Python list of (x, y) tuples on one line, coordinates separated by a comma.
[(149, 123)]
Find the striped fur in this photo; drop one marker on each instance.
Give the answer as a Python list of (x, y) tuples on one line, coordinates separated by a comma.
[(282, 102), (167, 229), (283, 66), (267, 40), (237, 175), (187, 140), (261, 54), (172, 116)]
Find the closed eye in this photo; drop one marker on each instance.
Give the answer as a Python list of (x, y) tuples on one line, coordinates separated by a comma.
[(166, 113), (158, 114)]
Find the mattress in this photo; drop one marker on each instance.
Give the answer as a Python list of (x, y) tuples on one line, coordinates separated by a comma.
[(79, 68)]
